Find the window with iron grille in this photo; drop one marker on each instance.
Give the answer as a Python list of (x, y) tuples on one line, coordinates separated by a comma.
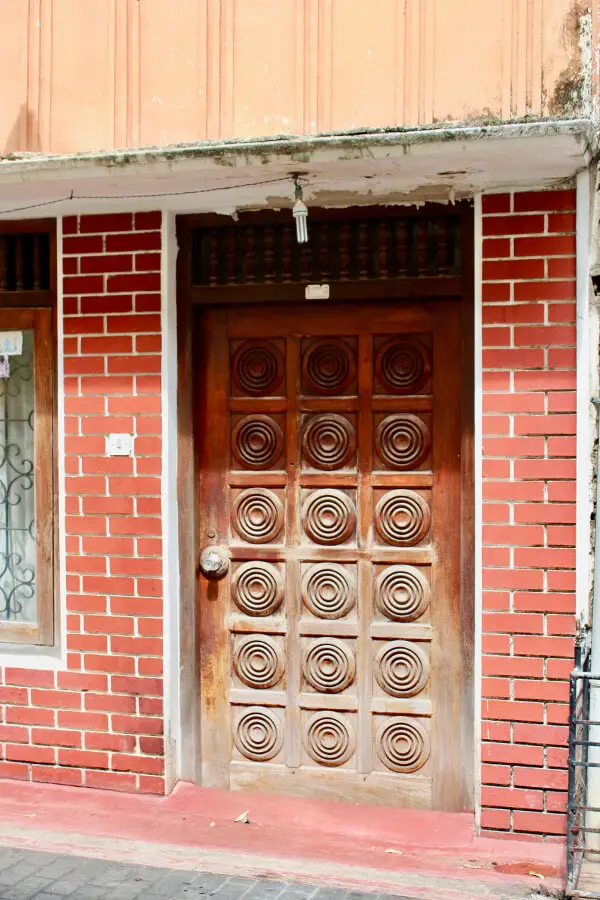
[(26, 440)]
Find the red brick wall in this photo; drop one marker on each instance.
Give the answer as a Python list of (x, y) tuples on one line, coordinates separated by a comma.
[(528, 506), (99, 723)]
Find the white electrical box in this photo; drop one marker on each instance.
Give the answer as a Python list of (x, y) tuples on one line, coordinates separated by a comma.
[(119, 445), (317, 292)]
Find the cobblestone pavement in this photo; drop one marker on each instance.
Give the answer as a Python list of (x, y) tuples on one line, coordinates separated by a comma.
[(32, 875)]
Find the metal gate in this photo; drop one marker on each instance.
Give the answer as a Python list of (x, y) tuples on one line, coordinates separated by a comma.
[(583, 820)]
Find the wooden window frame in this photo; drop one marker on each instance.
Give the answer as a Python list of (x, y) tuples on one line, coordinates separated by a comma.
[(36, 309), (40, 632)]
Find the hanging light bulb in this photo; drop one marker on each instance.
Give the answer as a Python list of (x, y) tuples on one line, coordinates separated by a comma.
[(300, 213)]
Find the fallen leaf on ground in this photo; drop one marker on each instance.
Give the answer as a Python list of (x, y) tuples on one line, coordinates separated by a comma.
[(536, 875), (243, 817), (471, 866), (397, 852)]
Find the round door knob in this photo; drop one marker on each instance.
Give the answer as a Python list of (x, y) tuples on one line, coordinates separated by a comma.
[(214, 562)]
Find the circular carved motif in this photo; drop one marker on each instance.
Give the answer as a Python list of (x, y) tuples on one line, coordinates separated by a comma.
[(328, 517), (257, 589), (328, 665), (328, 367), (403, 745), (329, 590), (402, 517), (257, 734), (402, 593), (257, 515), (402, 441), (403, 367), (402, 669), (328, 739), (257, 368), (329, 442), (257, 662), (257, 441)]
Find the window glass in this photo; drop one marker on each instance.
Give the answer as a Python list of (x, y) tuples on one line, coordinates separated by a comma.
[(17, 486)]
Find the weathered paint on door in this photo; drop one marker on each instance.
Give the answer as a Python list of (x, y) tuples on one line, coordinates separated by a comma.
[(328, 447)]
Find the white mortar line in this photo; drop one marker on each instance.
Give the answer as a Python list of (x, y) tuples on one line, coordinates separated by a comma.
[(170, 535), (477, 478)]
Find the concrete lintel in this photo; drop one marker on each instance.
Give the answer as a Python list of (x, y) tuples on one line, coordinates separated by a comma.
[(342, 169), (293, 144)]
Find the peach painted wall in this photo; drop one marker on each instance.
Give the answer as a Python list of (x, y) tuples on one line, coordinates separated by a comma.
[(97, 74)]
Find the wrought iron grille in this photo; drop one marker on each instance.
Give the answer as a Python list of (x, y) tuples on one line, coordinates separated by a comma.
[(583, 820), (17, 495)]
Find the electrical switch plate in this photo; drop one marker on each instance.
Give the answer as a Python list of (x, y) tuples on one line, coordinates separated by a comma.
[(120, 445), (317, 292)]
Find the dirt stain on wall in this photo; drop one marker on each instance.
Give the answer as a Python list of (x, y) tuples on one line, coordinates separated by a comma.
[(571, 96)]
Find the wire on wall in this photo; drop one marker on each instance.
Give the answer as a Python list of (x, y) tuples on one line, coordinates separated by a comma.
[(211, 190)]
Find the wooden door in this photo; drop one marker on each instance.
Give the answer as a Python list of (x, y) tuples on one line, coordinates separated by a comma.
[(328, 444)]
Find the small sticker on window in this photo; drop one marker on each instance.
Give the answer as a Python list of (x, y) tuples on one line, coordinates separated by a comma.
[(4, 366), (11, 343)]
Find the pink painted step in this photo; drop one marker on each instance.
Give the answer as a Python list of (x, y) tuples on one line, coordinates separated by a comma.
[(377, 823), (317, 841)]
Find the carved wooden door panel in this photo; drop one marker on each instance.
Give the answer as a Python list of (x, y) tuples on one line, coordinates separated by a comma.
[(329, 470)]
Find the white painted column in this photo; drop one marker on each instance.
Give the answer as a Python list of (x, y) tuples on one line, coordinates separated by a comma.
[(585, 413), (587, 386), (170, 526)]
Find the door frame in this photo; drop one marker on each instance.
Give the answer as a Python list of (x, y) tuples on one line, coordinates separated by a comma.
[(188, 298)]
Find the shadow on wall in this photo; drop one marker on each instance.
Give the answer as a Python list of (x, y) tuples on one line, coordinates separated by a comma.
[(24, 136)]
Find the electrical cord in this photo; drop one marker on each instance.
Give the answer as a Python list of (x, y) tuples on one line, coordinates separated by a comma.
[(74, 196)]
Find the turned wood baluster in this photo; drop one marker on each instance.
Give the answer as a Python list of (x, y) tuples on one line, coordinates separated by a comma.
[(3, 263), (19, 266), (37, 262)]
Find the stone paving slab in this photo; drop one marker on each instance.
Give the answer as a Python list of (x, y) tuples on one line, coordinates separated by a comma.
[(35, 875)]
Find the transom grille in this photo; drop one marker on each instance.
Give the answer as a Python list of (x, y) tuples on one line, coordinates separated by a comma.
[(362, 249), (24, 262)]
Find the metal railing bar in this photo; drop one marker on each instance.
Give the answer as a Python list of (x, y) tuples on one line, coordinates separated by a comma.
[(581, 684)]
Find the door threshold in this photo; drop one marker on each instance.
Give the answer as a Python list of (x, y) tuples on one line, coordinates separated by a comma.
[(361, 820)]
